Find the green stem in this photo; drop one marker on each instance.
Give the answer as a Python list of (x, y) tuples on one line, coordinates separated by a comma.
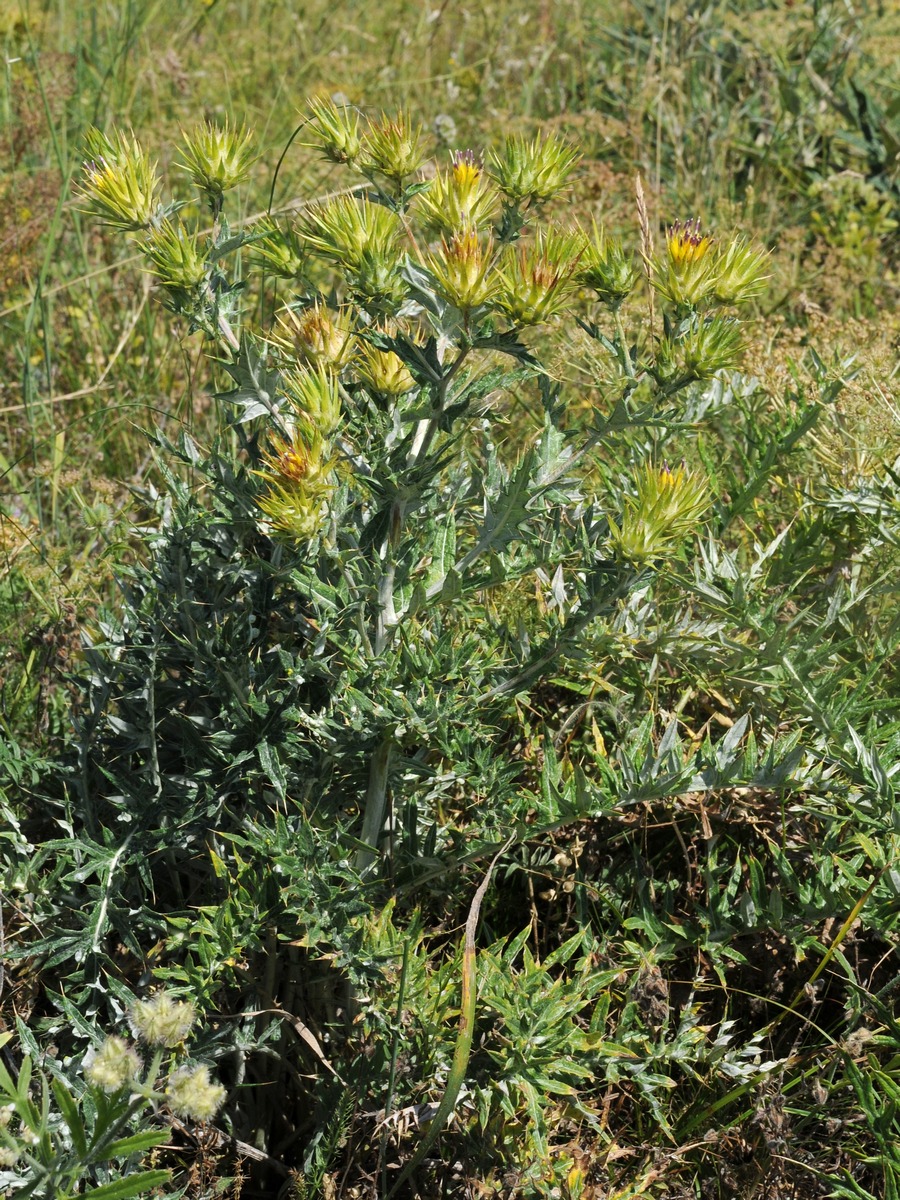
[(464, 1037), (375, 804)]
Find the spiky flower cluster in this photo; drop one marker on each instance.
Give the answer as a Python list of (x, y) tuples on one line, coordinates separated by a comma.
[(217, 158), (120, 181), (314, 336), (666, 507), (531, 173), (464, 270), (697, 273), (459, 198)]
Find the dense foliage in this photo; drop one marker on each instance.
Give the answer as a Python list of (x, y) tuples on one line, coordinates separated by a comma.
[(504, 770)]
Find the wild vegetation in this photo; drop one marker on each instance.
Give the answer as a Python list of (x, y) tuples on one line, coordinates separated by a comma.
[(449, 554)]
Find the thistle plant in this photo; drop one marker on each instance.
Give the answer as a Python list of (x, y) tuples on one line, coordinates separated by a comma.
[(338, 624)]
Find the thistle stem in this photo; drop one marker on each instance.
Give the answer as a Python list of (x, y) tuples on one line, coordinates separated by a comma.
[(375, 804)]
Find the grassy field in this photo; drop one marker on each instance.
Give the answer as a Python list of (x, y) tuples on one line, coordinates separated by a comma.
[(682, 990)]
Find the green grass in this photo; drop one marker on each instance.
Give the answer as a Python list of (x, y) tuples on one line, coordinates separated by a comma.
[(673, 913)]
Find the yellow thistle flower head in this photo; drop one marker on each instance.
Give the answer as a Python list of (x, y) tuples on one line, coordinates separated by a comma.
[(120, 180), (665, 508), (464, 270), (459, 199), (686, 244), (467, 172)]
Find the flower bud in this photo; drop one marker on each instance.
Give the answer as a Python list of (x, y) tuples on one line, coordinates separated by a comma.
[(709, 346), (533, 172), (383, 371), (464, 270), (121, 184), (218, 158), (537, 280), (393, 148), (336, 130), (175, 257), (280, 250), (191, 1093), (605, 267), (665, 509), (314, 399), (740, 273)]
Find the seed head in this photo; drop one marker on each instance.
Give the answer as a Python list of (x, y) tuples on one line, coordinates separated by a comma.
[(112, 1066), (162, 1020), (191, 1093)]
